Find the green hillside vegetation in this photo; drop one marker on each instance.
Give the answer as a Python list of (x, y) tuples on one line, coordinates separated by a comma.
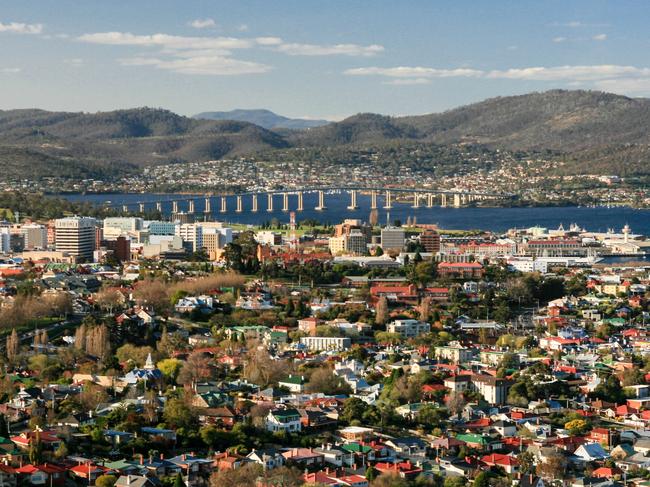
[(591, 131)]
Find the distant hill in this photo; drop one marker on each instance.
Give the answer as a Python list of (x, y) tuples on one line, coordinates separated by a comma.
[(94, 145), (593, 131), (264, 118)]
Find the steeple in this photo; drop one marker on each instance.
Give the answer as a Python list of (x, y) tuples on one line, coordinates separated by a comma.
[(149, 365)]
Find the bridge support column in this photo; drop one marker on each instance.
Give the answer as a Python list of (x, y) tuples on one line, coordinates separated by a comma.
[(158, 206), (190, 206), (429, 200), (174, 206), (416, 200), (463, 199), (321, 201), (207, 208), (141, 207), (300, 202), (443, 200), (224, 204), (239, 204), (269, 202), (373, 200), (353, 200), (125, 209), (388, 204), (285, 202), (456, 200), (254, 206)]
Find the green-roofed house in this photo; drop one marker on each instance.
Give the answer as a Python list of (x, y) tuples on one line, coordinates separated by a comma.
[(295, 383), (284, 420), (362, 453), (473, 440)]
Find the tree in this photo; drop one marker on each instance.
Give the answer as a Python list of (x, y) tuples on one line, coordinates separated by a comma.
[(61, 452), (553, 467), (526, 462), (241, 477), (179, 414), (13, 343), (323, 380), (178, 480), (198, 367), (170, 367), (425, 309), (260, 368), (577, 427), (4, 426), (387, 338), (482, 480), (371, 473), (389, 480), (353, 408), (381, 311), (106, 481), (455, 402)]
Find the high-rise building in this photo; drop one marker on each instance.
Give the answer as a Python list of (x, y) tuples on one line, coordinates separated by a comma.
[(392, 238), (76, 236), (116, 226), (337, 245), (192, 235), (357, 242), (430, 240), (35, 236), (5, 240)]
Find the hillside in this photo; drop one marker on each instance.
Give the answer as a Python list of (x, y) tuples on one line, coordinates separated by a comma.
[(264, 118), (593, 131), (93, 145)]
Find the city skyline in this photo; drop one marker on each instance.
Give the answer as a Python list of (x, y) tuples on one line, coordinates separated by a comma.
[(302, 60)]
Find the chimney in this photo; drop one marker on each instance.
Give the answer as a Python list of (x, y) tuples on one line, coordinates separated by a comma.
[(162, 456), (184, 457), (141, 459)]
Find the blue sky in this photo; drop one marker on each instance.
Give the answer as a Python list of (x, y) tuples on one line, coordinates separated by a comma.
[(309, 58)]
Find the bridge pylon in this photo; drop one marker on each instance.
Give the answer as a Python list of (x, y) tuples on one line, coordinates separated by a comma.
[(254, 203), (353, 200), (269, 202), (387, 203), (321, 201)]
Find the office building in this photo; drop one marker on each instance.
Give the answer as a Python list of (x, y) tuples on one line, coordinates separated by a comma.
[(116, 226), (76, 236), (357, 242), (192, 235), (392, 238), (35, 236), (430, 241), (5, 240)]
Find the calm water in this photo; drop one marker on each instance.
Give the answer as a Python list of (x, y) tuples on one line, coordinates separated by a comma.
[(495, 219)]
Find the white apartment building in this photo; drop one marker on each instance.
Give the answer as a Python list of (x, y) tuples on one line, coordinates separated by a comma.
[(326, 343), (408, 328), (192, 235)]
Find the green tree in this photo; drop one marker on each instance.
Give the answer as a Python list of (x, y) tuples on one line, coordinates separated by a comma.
[(106, 481)]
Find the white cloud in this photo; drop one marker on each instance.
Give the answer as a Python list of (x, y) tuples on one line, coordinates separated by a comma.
[(10, 70), (242, 28), (408, 81), (202, 23), (76, 62), (559, 39), (570, 73), (600, 37), (631, 80), (414, 72), (166, 41), (21, 28), (295, 49), (200, 65), (268, 41)]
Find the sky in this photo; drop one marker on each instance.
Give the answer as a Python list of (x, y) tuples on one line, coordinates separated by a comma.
[(314, 59)]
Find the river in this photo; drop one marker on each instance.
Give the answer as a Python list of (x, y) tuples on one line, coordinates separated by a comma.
[(494, 219)]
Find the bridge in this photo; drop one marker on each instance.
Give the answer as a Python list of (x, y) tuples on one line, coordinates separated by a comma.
[(386, 196)]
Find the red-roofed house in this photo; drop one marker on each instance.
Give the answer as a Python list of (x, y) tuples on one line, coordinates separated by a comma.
[(460, 270), (508, 463)]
